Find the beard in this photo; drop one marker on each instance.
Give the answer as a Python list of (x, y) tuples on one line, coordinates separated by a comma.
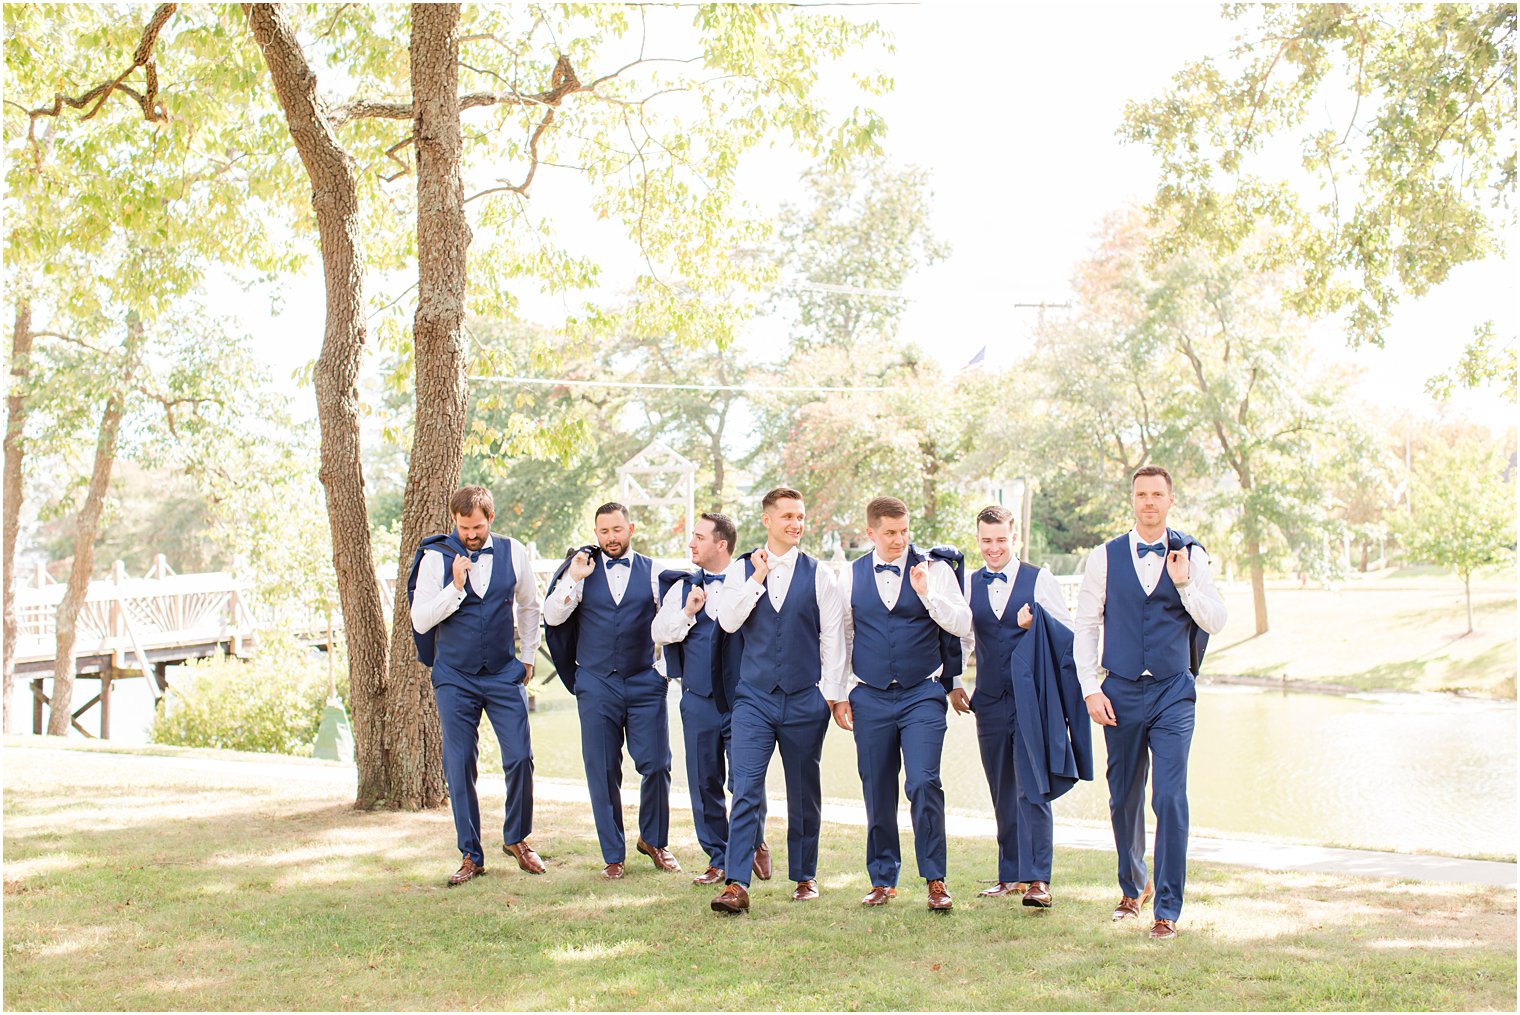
[(473, 542), (614, 549)]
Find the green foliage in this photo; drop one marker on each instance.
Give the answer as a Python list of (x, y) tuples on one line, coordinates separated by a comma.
[(1413, 174), (1484, 360), (271, 703), (1463, 495)]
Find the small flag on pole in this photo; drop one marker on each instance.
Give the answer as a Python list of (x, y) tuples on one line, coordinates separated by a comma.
[(976, 361)]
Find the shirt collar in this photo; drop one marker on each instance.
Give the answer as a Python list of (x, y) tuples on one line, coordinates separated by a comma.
[(789, 557), (900, 560)]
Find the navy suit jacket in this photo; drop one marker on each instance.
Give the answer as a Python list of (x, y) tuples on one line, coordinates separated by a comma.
[(560, 639), (727, 648), (1054, 728)]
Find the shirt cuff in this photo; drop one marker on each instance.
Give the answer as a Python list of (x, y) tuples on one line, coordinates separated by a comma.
[(1090, 685)]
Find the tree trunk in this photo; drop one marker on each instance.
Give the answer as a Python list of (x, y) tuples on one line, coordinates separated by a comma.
[(1258, 575), (335, 201), (415, 755), (86, 528), (1467, 588), (15, 424)]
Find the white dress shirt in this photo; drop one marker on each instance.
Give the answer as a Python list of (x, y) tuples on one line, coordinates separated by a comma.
[(435, 601), (1047, 593), (672, 624), (946, 607), (565, 596), (739, 596), (1199, 597)]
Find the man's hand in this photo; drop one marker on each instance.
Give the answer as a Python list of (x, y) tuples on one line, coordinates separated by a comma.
[(695, 601), (959, 701), (581, 567), (1026, 616), (461, 569), (1101, 709), (1177, 565), (843, 716), (761, 559), (528, 675), (919, 576)]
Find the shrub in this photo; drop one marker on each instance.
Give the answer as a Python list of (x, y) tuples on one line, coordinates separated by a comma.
[(270, 703)]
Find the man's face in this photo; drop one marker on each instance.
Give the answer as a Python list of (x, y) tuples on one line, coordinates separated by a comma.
[(1152, 499), (707, 550), (995, 541), (473, 529), (613, 533), (783, 522), (889, 536)]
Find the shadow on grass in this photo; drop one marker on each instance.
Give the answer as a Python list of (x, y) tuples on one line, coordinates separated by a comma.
[(162, 893)]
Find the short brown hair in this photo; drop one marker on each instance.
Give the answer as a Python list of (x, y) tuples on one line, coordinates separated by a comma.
[(469, 499), (778, 494), (1152, 470), (994, 514), (612, 507), (723, 528), (884, 507)]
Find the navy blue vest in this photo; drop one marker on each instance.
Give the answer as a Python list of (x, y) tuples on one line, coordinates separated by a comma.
[(900, 645), (1142, 633), (697, 652), (614, 638), (781, 649), (996, 637), (479, 637)]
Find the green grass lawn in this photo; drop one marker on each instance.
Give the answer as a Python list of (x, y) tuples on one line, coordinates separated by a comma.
[(1401, 630), (222, 881)]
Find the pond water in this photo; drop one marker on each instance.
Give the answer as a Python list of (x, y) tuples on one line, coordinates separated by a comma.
[(1408, 772)]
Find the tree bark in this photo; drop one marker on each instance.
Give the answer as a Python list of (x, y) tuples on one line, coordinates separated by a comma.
[(335, 201), (86, 528), (443, 238), (15, 450), (1258, 571)]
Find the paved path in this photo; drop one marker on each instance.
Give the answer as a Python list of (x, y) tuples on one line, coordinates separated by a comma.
[(1265, 855)]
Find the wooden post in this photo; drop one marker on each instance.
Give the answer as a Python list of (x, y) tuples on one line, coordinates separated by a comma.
[(105, 704), (161, 676), (332, 680), (37, 706)]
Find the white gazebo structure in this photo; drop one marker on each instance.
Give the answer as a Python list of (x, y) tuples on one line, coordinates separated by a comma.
[(659, 476)]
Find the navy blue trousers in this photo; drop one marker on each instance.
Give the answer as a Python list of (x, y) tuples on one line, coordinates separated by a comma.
[(462, 697), (612, 708), (901, 729), (1155, 731), (762, 722), (708, 734), (1025, 827)]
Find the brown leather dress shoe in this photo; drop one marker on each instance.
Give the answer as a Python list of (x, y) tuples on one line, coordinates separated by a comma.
[(1163, 930), (711, 876), (467, 869), (1001, 889), (612, 871), (806, 891), (660, 855), (1129, 907), (762, 863), (939, 899), (1038, 894), (524, 855), (733, 899), (879, 895)]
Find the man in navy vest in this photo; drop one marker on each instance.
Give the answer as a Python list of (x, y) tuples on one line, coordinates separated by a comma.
[(895, 702), (618, 692), (1002, 594), (786, 605), (688, 618), (1146, 591), (476, 592)]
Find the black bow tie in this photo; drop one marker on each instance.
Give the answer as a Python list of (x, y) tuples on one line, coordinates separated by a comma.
[(477, 554), (708, 579), (618, 561), (994, 576), (889, 567)]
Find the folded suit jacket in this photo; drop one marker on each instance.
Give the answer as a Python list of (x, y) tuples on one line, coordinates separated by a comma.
[(1055, 731)]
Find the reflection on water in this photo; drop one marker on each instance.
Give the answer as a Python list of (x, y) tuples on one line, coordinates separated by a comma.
[(1399, 772)]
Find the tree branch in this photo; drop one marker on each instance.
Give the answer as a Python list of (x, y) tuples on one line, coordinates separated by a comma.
[(153, 111)]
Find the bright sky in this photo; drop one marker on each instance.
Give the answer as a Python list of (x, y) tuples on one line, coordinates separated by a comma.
[(1014, 110)]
